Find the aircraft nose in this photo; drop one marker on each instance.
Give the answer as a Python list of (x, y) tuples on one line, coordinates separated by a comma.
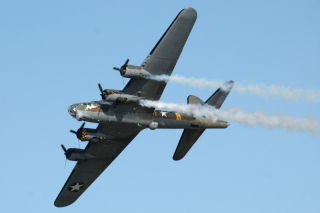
[(72, 110)]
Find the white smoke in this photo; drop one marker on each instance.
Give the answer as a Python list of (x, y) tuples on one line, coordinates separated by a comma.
[(284, 122), (288, 93)]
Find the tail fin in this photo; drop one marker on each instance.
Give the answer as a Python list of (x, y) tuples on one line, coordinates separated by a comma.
[(190, 136), (220, 95)]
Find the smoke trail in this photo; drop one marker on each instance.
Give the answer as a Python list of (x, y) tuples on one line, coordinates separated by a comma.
[(285, 122), (288, 93)]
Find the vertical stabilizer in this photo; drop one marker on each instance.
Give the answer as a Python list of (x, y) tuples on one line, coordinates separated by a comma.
[(220, 95)]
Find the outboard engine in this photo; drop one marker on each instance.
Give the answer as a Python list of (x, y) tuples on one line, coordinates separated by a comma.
[(76, 154), (131, 71)]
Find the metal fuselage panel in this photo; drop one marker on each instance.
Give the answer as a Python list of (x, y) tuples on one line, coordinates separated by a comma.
[(105, 112)]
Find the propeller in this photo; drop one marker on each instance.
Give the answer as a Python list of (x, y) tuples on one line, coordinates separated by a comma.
[(78, 133), (122, 69), (64, 148), (67, 152), (101, 91)]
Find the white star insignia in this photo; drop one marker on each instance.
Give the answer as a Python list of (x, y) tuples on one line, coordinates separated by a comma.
[(76, 187), (163, 114)]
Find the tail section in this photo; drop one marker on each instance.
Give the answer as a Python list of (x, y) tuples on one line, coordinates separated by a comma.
[(220, 95), (190, 136), (194, 100)]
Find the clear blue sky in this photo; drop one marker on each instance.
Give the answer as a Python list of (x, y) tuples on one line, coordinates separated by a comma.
[(52, 54)]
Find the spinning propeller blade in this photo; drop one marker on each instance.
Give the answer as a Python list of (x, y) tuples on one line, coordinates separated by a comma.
[(122, 69), (78, 132), (72, 131), (64, 148), (101, 91)]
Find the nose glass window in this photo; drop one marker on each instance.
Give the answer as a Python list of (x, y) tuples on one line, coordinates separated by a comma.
[(72, 109)]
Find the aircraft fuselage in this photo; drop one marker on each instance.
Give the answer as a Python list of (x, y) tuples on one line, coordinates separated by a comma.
[(104, 112)]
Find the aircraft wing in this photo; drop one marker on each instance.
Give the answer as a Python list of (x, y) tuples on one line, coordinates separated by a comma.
[(164, 56), (85, 172)]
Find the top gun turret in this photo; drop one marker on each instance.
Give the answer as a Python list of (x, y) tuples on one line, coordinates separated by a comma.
[(131, 71)]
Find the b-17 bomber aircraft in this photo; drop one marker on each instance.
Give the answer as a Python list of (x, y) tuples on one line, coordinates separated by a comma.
[(120, 117)]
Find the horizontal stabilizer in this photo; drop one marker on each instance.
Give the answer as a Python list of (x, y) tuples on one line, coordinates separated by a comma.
[(194, 100), (188, 138)]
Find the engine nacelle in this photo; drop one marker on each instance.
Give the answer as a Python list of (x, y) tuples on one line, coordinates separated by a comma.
[(135, 72), (111, 91), (122, 98), (78, 154), (131, 71), (86, 134)]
